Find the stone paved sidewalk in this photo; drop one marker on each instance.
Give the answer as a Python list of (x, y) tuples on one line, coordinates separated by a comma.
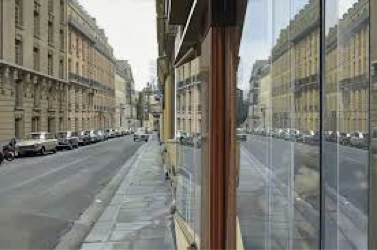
[(138, 217)]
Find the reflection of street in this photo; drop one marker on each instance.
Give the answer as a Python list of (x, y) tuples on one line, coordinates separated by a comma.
[(188, 188), (268, 194)]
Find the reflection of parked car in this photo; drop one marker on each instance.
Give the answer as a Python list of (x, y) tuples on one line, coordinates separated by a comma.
[(37, 143), (308, 136), (358, 139), (334, 136), (241, 135), (345, 138), (67, 139), (373, 142)]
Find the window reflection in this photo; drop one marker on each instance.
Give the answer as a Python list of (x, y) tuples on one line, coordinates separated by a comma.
[(279, 184)]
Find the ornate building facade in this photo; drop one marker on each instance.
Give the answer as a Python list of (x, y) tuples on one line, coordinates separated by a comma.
[(33, 75), (92, 68)]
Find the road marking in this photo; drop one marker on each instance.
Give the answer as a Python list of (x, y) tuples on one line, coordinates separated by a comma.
[(43, 175)]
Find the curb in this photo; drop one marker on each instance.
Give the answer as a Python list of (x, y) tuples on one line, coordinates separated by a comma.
[(82, 226)]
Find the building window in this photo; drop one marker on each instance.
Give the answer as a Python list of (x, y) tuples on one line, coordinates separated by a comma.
[(51, 6), (77, 47), (69, 65), (50, 65), (61, 69), (19, 12), (77, 68), (62, 39), (36, 19), (37, 99), (36, 59), (35, 124), (50, 33), (62, 11), (69, 98), (18, 93), (70, 42), (18, 52)]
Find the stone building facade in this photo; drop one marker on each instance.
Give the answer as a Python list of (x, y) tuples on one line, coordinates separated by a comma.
[(188, 97), (126, 100), (33, 75), (92, 69)]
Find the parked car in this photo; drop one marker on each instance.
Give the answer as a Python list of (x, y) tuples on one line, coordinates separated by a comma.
[(1, 154), (308, 136), (279, 133), (241, 135), (110, 133), (182, 136), (359, 139), (84, 139), (100, 135), (345, 138), (373, 142), (327, 135), (67, 139), (37, 143), (333, 137), (141, 135), (118, 133), (92, 135)]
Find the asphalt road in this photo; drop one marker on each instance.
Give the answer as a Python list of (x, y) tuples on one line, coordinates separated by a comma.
[(40, 197)]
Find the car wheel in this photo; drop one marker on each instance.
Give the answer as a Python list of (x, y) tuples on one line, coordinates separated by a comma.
[(55, 150), (43, 151)]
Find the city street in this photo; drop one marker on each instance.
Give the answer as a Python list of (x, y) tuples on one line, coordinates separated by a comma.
[(42, 196)]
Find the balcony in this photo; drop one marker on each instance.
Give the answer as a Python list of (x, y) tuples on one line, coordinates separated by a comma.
[(81, 28)]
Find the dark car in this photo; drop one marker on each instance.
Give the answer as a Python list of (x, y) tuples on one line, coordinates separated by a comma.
[(345, 138), (334, 136), (84, 139), (67, 139)]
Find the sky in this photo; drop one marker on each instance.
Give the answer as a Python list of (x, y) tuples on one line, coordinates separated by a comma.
[(130, 26), (259, 35)]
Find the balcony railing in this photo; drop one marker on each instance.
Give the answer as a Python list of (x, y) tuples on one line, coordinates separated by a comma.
[(81, 28)]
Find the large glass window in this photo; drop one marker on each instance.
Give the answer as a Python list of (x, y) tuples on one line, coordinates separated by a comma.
[(303, 127)]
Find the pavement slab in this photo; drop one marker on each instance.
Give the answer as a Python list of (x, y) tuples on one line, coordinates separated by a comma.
[(138, 216)]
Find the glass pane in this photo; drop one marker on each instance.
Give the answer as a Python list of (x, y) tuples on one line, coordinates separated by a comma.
[(345, 122), (278, 195), (188, 137)]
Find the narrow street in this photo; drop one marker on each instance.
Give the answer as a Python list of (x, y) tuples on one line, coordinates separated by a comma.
[(42, 196)]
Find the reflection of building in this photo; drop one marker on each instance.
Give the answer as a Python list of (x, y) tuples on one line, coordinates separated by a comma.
[(295, 67), (264, 103), (188, 97), (353, 69), (294, 72), (91, 66), (32, 67), (253, 120)]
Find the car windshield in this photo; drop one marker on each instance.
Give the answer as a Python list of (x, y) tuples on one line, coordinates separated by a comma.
[(34, 137), (61, 135)]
